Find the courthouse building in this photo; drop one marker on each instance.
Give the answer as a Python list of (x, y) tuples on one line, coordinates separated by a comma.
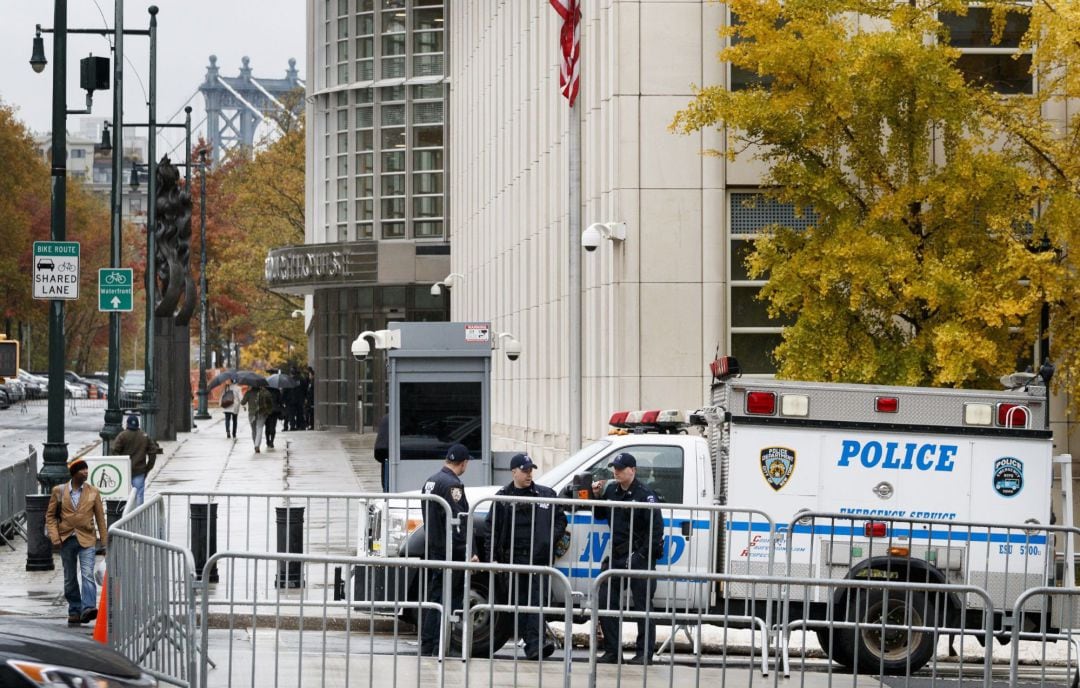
[(439, 126)]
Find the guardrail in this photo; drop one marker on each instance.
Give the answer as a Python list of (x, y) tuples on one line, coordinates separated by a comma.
[(16, 481), (290, 617)]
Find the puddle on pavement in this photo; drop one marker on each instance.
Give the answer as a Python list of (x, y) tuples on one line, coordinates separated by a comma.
[(40, 593)]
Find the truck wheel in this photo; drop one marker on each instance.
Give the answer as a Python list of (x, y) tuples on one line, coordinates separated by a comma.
[(488, 634), (871, 649)]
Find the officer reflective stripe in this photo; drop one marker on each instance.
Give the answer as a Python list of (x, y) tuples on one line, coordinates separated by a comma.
[(939, 534)]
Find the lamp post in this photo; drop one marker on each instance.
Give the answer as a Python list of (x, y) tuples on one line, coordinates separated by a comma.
[(202, 413), (149, 406), (54, 465)]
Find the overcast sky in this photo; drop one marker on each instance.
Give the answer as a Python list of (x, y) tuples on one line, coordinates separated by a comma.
[(189, 31)]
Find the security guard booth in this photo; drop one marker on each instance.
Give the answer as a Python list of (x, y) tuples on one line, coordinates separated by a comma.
[(440, 389)]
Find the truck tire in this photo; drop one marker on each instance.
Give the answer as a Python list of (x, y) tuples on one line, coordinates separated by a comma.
[(488, 634), (869, 649)]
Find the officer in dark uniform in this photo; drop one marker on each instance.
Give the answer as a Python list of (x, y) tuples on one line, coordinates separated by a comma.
[(637, 542), (525, 534), (446, 484)]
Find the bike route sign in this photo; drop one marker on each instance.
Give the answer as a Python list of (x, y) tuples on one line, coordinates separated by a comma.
[(56, 270), (115, 289)]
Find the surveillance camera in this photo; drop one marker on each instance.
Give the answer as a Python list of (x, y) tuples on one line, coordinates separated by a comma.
[(513, 349), (436, 289), (360, 348), (590, 238)]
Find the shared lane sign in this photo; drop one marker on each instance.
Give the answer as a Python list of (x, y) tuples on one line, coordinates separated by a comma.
[(56, 270)]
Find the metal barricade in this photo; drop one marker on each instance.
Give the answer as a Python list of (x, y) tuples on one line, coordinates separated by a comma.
[(312, 642), (1054, 618), (1002, 559), (319, 524), (151, 597), (16, 481), (685, 540)]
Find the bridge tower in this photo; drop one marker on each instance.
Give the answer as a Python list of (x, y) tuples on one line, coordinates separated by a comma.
[(236, 105)]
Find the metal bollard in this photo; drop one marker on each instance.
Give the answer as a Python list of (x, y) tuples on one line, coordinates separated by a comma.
[(290, 538), (204, 538), (114, 510), (39, 549)]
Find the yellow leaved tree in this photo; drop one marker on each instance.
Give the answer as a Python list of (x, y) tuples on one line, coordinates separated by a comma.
[(918, 268)]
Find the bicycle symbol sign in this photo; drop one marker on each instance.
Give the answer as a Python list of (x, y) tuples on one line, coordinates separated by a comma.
[(115, 286), (107, 479)]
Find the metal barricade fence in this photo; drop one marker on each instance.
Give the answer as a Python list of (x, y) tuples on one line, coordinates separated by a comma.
[(726, 668), (1004, 560), (16, 481), (322, 586), (151, 597), (685, 536), (311, 641), (1056, 619), (323, 524)]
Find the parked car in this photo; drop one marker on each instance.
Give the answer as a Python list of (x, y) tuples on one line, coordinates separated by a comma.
[(95, 387), (39, 654), (36, 387), (16, 390), (132, 389), (5, 400)]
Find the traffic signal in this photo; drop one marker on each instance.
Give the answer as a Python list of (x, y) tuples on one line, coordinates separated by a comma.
[(9, 358)]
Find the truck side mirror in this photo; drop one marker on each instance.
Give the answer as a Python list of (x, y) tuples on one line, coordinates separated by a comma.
[(582, 486)]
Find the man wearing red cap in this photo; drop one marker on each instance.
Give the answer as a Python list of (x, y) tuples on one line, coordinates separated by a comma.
[(74, 509)]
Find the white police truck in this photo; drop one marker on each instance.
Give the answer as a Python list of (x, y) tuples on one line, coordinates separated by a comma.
[(817, 480)]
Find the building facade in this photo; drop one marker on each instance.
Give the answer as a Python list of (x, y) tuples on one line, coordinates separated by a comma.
[(658, 305), (655, 306), (376, 235)]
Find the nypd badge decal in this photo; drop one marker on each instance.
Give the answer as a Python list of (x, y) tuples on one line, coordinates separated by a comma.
[(1008, 476), (777, 465)]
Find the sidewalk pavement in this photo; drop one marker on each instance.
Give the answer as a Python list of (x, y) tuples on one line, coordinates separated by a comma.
[(205, 460)]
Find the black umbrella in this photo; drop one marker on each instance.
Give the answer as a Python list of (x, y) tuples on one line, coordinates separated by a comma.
[(280, 381), (250, 379), (222, 378)]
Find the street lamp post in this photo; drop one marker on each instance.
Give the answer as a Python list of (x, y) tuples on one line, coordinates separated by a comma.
[(202, 414), (149, 406), (54, 465), (113, 414)]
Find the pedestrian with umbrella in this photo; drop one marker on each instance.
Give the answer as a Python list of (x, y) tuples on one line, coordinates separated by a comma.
[(231, 406), (229, 401), (259, 404), (276, 383)]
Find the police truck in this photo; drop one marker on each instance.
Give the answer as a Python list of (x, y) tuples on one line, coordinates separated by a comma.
[(814, 480)]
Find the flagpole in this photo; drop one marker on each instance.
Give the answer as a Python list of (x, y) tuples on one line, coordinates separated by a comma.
[(576, 335)]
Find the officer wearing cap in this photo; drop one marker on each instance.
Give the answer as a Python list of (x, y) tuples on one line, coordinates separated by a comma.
[(446, 484), (524, 533), (637, 541)]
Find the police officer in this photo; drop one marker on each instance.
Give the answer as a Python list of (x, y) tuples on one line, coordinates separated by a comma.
[(446, 484), (525, 534), (637, 541)]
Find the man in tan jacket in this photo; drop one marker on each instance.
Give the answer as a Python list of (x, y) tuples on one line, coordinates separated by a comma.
[(74, 509)]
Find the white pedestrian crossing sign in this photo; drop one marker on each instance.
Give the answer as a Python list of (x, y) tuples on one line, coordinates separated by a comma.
[(115, 286)]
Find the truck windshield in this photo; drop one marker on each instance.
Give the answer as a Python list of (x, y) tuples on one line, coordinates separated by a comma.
[(565, 469)]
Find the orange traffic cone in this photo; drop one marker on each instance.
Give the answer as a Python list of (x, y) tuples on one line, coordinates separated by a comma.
[(101, 625)]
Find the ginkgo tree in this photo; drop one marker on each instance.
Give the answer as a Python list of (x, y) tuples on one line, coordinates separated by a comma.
[(918, 268)]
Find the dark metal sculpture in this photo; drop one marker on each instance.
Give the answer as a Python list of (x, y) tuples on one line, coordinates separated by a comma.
[(173, 214)]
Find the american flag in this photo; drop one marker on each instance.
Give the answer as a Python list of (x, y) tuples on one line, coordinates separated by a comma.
[(569, 46)]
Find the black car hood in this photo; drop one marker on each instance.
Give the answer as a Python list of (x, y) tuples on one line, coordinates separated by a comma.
[(40, 642)]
